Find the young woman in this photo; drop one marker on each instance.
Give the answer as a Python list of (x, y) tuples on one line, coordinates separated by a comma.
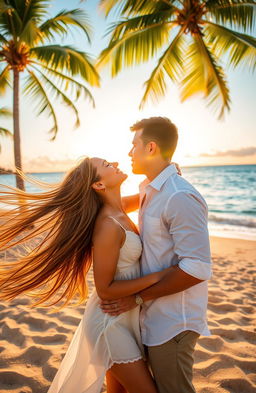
[(81, 221)]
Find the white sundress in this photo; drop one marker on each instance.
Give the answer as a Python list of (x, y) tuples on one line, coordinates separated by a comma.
[(100, 339)]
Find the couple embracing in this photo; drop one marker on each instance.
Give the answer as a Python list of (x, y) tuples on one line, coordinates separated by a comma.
[(142, 321)]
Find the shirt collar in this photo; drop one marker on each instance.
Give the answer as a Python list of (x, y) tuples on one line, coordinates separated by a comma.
[(158, 181)]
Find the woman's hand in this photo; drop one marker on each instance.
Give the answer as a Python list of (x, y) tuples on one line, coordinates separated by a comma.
[(177, 167)]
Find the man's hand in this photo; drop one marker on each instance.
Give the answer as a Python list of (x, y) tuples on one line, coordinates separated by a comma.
[(118, 306)]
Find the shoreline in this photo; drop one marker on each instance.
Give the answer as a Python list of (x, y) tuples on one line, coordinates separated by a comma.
[(223, 244), (183, 166), (220, 235)]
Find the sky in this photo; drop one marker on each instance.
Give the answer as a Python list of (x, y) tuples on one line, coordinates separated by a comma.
[(104, 131)]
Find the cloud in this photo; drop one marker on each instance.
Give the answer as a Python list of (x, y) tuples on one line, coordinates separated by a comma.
[(243, 152), (46, 164)]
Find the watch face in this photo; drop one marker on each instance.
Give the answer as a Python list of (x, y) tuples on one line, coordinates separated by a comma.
[(139, 300)]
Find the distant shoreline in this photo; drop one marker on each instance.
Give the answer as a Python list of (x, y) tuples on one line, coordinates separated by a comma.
[(11, 172), (4, 171)]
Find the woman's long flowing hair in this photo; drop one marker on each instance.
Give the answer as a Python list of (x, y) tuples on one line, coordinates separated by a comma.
[(63, 219)]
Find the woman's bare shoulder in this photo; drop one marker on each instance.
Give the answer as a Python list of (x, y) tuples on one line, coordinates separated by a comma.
[(105, 225)]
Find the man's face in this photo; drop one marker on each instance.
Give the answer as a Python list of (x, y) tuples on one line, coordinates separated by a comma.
[(138, 154)]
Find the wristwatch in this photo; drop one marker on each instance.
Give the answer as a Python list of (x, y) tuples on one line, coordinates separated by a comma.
[(138, 300)]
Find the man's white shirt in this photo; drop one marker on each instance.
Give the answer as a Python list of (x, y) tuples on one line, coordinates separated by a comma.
[(173, 228)]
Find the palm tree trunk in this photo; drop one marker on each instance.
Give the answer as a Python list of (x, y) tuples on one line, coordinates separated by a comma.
[(16, 129)]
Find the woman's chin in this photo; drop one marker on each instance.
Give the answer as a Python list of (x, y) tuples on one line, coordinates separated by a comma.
[(124, 177)]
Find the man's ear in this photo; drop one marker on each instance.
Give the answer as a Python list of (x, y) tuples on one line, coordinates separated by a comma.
[(98, 186), (152, 147)]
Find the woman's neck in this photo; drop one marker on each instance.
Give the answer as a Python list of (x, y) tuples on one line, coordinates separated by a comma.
[(112, 201)]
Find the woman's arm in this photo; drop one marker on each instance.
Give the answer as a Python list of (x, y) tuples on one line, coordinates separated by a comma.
[(107, 242)]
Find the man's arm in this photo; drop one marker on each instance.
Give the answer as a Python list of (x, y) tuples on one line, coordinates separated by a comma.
[(175, 281), (130, 203)]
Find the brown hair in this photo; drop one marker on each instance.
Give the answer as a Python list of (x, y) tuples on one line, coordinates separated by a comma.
[(64, 215), (160, 130)]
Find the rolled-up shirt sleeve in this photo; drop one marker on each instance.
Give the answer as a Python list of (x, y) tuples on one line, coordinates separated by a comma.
[(186, 216)]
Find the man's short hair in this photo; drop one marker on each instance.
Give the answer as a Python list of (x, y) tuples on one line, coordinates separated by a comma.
[(160, 130)]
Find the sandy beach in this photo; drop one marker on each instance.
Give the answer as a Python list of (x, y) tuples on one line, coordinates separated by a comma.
[(33, 341)]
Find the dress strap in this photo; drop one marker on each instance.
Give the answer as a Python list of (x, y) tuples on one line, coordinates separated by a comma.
[(118, 223)]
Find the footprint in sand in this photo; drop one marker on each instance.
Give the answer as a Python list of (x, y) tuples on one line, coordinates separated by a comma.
[(10, 380), (35, 356), (247, 309), (49, 372), (213, 344), (201, 356), (35, 324), (227, 321), (70, 320), (238, 385), (50, 340), (62, 329), (236, 334), (215, 299), (21, 301), (222, 308), (247, 366), (12, 335)]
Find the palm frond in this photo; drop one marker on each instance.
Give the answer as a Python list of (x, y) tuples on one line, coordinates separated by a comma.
[(36, 90), (57, 93), (10, 21), (119, 29), (6, 133), (241, 48), (227, 3), (5, 8), (67, 82), (4, 79), (32, 9), (5, 112), (235, 14), (129, 8), (3, 39), (30, 33), (170, 64), (135, 47), (67, 59), (108, 5), (203, 74), (61, 23)]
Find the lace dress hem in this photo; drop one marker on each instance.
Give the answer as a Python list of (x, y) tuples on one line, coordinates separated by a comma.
[(125, 361)]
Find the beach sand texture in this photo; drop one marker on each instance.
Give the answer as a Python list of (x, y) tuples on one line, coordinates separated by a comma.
[(33, 342)]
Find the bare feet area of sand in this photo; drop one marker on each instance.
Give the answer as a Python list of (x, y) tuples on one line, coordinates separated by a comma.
[(33, 341)]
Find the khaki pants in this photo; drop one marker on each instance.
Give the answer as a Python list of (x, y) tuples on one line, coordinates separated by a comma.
[(172, 363)]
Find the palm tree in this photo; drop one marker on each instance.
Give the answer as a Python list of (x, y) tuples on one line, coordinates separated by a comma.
[(27, 47), (5, 112), (192, 39)]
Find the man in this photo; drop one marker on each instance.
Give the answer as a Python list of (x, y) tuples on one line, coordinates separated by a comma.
[(173, 228)]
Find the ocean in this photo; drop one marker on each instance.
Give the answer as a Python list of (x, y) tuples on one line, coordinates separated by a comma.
[(230, 192)]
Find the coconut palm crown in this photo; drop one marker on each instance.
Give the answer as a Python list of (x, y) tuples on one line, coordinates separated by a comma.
[(28, 48), (191, 40)]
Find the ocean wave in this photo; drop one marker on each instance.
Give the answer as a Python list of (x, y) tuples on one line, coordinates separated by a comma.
[(245, 222)]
